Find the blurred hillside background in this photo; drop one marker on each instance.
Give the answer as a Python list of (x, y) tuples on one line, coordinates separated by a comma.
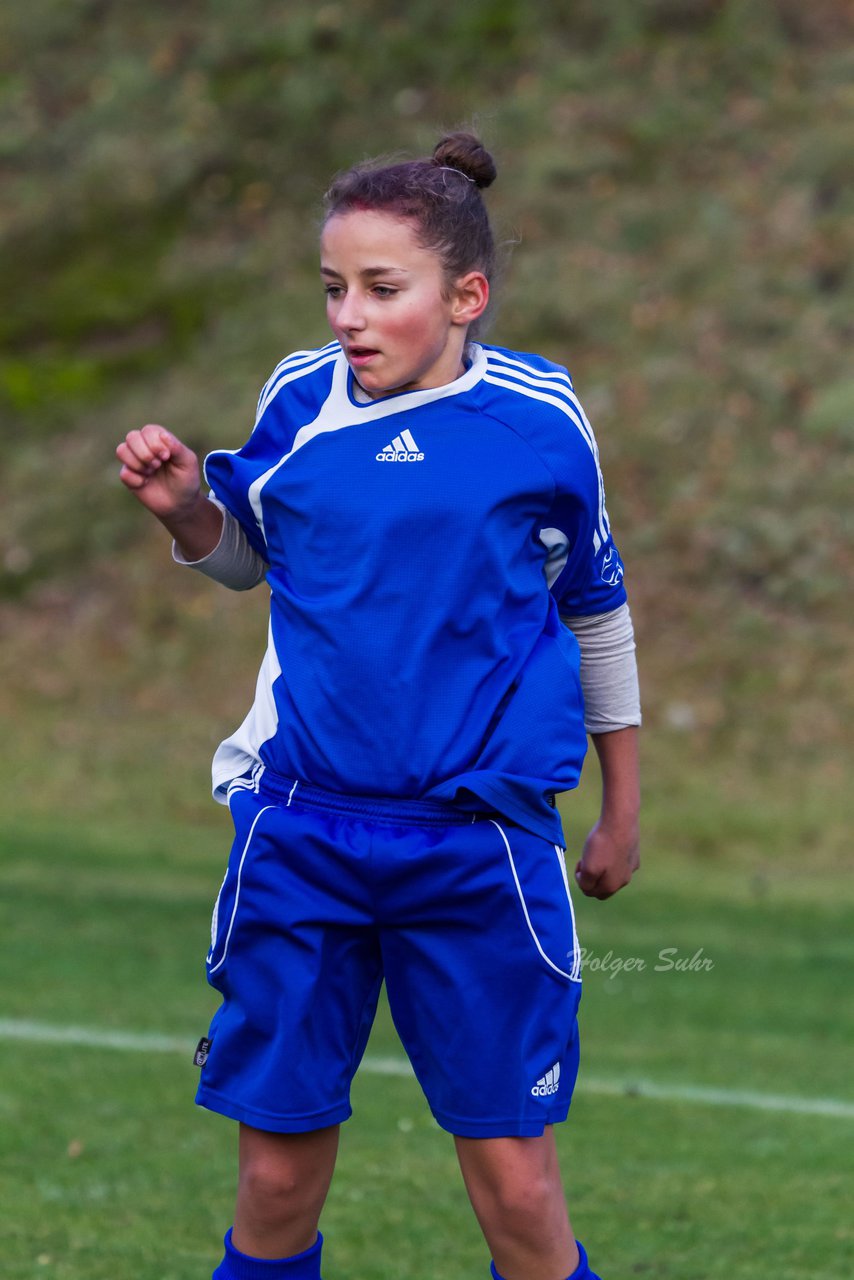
[(674, 191)]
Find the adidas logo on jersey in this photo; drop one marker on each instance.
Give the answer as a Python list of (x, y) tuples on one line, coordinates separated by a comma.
[(547, 1084), (402, 449)]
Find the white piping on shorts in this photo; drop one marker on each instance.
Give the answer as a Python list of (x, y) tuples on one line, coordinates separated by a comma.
[(573, 974), (291, 795), (221, 960), (576, 950)]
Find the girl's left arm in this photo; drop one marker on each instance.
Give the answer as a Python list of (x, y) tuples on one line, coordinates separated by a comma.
[(611, 854), (609, 678)]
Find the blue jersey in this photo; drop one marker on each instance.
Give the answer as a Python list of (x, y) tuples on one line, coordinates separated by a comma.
[(421, 549)]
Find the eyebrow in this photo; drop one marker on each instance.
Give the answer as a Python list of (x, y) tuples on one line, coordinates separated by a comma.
[(369, 273)]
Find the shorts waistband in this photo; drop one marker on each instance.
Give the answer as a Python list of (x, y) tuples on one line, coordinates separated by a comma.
[(385, 809)]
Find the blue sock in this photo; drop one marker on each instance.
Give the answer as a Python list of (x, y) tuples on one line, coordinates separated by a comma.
[(581, 1272), (239, 1266)]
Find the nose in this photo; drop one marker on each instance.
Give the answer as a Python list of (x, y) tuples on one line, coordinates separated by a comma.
[(350, 312)]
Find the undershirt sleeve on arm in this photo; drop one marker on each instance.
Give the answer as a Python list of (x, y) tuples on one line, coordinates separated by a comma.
[(609, 674), (234, 562)]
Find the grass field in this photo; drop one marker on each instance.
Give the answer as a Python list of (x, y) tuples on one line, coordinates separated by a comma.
[(711, 1135)]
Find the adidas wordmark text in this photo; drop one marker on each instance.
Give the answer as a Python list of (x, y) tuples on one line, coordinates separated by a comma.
[(547, 1084), (402, 449)]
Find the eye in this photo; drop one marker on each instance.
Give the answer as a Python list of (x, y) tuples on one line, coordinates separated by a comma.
[(384, 291), (334, 290)]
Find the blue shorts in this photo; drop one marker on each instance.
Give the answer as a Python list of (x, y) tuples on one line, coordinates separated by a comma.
[(467, 917)]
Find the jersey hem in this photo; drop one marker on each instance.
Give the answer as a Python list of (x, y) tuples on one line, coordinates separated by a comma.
[(497, 803), (548, 826)]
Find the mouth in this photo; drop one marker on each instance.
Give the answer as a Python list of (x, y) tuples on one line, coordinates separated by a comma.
[(360, 356)]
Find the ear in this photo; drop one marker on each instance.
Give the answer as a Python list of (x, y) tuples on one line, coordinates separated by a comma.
[(471, 295)]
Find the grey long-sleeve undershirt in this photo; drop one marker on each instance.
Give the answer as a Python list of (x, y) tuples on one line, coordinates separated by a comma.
[(609, 676), (609, 672)]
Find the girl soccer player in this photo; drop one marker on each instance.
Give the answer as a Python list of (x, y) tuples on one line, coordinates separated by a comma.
[(426, 510)]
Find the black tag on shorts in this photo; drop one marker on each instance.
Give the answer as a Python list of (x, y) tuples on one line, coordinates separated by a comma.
[(203, 1048)]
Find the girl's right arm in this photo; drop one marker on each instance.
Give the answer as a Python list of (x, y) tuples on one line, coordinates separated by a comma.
[(164, 475)]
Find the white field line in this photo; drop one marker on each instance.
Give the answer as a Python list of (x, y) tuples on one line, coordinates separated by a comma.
[(151, 1042)]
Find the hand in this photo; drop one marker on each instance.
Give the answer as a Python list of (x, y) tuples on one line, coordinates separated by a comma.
[(160, 471), (609, 859)]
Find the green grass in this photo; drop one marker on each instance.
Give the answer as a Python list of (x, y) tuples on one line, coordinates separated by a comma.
[(107, 1169)]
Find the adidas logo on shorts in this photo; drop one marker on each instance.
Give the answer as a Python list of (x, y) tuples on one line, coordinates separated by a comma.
[(547, 1084), (402, 449)]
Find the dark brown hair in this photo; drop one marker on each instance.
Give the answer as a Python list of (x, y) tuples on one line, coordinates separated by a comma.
[(440, 196)]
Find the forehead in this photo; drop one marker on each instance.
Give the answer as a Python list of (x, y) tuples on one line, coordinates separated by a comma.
[(360, 235)]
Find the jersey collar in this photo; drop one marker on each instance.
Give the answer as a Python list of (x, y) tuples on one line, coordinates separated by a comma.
[(475, 359)]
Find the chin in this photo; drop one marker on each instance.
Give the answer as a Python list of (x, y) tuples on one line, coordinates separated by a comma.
[(376, 386)]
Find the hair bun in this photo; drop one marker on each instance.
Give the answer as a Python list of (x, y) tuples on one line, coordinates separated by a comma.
[(467, 153)]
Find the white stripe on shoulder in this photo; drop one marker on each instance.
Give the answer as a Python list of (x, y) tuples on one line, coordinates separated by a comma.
[(293, 359), (301, 357), (553, 382), (556, 375), (578, 420), (547, 397), (288, 370)]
